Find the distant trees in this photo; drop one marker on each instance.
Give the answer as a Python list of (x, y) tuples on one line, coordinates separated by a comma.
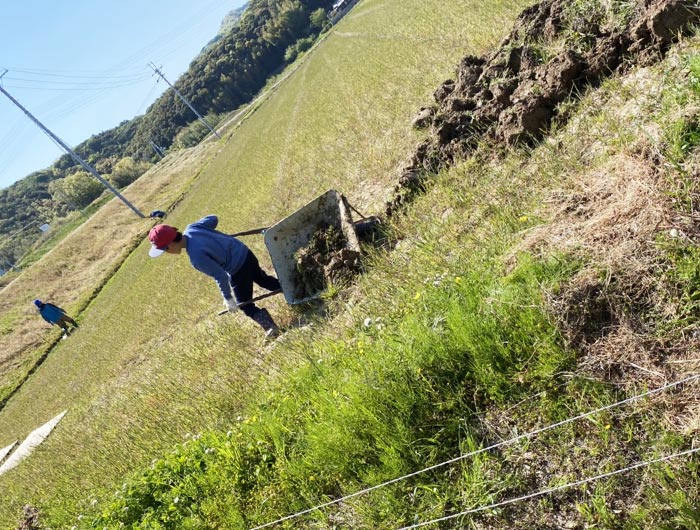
[(127, 170), (78, 190), (195, 132), (319, 19), (232, 70), (297, 48)]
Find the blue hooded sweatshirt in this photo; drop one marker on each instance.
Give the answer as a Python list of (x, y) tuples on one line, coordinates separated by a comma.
[(215, 254), (51, 313)]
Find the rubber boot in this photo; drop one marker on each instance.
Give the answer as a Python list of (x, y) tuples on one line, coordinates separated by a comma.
[(263, 318)]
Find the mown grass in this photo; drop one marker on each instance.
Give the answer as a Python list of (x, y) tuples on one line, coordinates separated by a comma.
[(446, 344), (72, 272)]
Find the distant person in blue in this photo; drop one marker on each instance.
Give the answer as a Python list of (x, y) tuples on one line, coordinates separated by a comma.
[(55, 315), (223, 257)]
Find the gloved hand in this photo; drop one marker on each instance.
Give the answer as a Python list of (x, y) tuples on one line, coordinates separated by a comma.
[(231, 305)]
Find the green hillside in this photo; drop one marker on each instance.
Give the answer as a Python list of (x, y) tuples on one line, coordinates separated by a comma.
[(226, 75), (535, 277)]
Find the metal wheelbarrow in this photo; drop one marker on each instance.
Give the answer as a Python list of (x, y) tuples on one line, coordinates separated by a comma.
[(284, 239)]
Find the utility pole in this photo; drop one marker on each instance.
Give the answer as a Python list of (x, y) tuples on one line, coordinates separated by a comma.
[(156, 70), (70, 151), (7, 263), (157, 149)]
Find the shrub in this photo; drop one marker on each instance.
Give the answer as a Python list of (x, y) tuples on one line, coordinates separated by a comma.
[(195, 132), (127, 170)]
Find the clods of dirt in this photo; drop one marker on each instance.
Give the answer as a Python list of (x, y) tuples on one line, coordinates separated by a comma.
[(324, 261), (30, 519), (512, 96)]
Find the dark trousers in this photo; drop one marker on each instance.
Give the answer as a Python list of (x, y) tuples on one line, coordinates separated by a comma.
[(242, 283), (64, 321)]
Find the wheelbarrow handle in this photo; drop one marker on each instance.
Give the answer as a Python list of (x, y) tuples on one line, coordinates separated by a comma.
[(251, 232), (261, 297)]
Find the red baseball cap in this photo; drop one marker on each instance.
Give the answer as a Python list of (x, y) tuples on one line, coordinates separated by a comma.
[(160, 237)]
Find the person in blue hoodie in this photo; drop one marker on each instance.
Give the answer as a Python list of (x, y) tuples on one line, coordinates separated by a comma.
[(55, 315), (233, 265)]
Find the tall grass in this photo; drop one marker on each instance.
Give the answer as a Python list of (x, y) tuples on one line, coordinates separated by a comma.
[(152, 362)]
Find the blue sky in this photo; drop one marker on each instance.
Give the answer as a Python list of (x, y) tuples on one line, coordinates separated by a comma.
[(81, 67)]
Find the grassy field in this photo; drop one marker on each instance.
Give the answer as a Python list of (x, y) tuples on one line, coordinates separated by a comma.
[(72, 273), (482, 324), (152, 362)]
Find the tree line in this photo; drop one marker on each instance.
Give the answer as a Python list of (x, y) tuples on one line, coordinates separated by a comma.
[(256, 42)]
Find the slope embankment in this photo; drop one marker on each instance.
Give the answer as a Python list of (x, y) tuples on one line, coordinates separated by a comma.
[(543, 268), (553, 54)]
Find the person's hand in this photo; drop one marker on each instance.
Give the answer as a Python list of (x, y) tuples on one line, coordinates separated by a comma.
[(231, 305)]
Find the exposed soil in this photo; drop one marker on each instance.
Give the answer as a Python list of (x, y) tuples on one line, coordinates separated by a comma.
[(30, 519), (326, 260), (512, 96)]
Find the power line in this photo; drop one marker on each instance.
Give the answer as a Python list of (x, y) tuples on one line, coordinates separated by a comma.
[(168, 40), (71, 75), (59, 106), (482, 450), (71, 152), (66, 97), (79, 85), (553, 490)]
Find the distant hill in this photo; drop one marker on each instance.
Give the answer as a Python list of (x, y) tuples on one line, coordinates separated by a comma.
[(230, 70), (229, 22)]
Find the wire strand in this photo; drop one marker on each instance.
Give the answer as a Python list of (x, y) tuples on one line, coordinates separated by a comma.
[(552, 490), (479, 451)]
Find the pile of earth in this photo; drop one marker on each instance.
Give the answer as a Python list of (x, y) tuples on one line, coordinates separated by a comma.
[(325, 260), (30, 519), (509, 98), (512, 96)]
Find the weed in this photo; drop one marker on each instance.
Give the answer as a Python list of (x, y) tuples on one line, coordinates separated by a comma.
[(692, 63), (682, 138), (683, 280)]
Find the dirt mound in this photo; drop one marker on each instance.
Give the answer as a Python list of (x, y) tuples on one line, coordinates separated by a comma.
[(324, 261), (554, 51), (30, 519)]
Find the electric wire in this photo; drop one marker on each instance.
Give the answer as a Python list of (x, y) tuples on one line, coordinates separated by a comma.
[(68, 75), (147, 98), (79, 85), (73, 90), (482, 450), (173, 38), (554, 489)]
